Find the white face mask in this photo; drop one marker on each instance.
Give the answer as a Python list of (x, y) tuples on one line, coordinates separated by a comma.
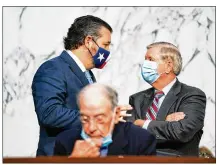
[(149, 71)]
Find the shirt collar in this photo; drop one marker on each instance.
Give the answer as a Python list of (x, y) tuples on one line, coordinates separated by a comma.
[(167, 88), (77, 61)]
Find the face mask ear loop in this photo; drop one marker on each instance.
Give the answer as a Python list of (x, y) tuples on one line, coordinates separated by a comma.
[(95, 42), (89, 51), (112, 122)]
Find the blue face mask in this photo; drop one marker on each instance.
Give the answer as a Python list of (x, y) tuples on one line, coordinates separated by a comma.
[(149, 71), (105, 141), (101, 57)]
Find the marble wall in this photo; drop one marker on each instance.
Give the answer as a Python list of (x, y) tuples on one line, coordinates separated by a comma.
[(32, 35)]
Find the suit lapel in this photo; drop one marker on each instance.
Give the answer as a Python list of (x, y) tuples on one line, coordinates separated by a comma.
[(170, 98), (146, 102), (119, 141), (74, 68)]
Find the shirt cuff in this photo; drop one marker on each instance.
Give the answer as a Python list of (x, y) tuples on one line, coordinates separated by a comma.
[(146, 123)]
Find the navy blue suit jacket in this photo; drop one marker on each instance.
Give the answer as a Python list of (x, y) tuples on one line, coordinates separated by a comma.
[(128, 139), (54, 89)]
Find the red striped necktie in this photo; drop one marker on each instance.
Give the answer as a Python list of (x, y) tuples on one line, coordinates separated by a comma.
[(153, 109)]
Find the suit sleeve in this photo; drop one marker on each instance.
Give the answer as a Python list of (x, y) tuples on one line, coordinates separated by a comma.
[(149, 147), (59, 149), (193, 105), (49, 93), (144, 143)]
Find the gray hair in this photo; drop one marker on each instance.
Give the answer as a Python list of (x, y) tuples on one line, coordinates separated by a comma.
[(105, 90), (168, 50)]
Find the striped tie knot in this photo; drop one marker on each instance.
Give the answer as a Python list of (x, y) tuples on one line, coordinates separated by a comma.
[(153, 109), (158, 94)]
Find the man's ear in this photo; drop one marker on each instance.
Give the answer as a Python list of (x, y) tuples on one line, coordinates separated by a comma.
[(169, 66), (117, 114), (88, 41)]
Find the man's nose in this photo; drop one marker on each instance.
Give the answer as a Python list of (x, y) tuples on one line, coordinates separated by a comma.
[(92, 126)]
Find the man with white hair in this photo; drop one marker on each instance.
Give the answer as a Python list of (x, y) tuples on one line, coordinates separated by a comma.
[(101, 133), (172, 111)]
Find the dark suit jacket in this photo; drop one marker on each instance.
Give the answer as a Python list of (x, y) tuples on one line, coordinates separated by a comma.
[(54, 88), (179, 137), (128, 139)]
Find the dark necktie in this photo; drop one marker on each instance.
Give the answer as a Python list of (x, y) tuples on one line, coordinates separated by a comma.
[(103, 151), (154, 108)]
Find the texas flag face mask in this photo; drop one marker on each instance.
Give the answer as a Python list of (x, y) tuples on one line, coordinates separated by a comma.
[(101, 58)]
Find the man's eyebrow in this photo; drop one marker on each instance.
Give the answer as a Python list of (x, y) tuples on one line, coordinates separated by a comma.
[(101, 114), (151, 56), (84, 116)]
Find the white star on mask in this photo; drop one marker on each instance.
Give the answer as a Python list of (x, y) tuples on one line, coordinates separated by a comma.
[(101, 57)]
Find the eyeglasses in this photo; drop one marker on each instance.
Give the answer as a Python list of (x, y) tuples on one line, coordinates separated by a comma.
[(98, 119)]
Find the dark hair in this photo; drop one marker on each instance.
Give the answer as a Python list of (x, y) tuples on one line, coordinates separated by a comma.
[(81, 27)]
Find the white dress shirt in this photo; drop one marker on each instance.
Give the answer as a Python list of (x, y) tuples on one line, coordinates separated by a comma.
[(77, 61), (166, 89)]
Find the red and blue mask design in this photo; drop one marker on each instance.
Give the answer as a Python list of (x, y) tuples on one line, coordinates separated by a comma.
[(101, 57)]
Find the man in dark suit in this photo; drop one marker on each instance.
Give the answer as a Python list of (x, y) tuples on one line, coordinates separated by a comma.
[(57, 81), (101, 134), (172, 111)]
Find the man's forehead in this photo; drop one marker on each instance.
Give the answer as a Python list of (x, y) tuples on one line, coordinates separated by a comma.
[(150, 55), (94, 112), (94, 105), (89, 112), (104, 32), (153, 52)]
